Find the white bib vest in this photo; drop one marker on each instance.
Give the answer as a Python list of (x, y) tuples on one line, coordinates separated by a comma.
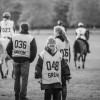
[(7, 28), (81, 33), (21, 45), (51, 72), (64, 49)]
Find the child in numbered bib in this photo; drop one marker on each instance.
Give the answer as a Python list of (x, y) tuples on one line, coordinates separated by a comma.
[(49, 70)]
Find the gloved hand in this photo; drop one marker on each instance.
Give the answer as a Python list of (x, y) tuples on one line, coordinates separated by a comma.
[(68, 78), (40, 80)]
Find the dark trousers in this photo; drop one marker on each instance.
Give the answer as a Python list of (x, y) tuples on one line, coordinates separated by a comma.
[(88, 48), (64, 89), (21, 71), (64, 92), (52, 93)]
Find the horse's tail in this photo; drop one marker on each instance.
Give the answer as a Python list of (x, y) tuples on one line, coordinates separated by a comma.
[(76, 46)]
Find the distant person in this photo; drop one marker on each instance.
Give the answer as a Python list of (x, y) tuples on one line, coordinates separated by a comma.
[(63, 45), (59, 24), (7, 29), (49, 70), (7, 26), (22, 49), (81, 34)]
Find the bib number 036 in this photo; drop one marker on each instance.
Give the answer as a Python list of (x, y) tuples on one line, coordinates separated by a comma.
[(20, 44)]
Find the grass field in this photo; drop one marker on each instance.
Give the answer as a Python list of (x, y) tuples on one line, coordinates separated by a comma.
[(85, 83)]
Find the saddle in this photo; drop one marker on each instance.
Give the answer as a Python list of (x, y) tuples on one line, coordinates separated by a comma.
[(82, 40), (78, 43)]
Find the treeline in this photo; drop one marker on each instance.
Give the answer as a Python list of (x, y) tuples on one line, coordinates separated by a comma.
[(45, 13)]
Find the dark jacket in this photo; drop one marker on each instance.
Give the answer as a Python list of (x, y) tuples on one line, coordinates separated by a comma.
[(64, 70), (61, 38), (33, 51)]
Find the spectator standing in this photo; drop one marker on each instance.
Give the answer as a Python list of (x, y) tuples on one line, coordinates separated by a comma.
[(22, 49)]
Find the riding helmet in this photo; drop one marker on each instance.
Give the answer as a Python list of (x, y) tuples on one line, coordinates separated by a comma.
[(6, 15)]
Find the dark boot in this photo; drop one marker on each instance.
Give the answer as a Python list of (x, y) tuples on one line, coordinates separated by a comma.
[(88, 50), (2, 75), (23, 98), (17, 98), (87, 44)]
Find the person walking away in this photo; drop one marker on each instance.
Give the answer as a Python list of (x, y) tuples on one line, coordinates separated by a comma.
[(7, 29), (22, 49), (63, 45), (59, 24), (80, 34)]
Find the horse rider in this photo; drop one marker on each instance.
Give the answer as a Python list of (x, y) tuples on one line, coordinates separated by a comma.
[(63, 45), (7, 29), (7, 26), (80, 34)]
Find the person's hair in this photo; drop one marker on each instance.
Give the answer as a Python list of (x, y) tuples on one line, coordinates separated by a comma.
[(24, 26), (51, 41)]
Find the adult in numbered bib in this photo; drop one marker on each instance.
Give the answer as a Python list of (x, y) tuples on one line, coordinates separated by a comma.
[(22, 49)]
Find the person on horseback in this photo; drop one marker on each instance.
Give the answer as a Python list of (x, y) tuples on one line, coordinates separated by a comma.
[(63, 45), (81, 34), (7, 29), (7, 26)]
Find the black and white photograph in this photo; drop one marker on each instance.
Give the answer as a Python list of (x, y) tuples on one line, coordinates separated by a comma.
[(49, 49)]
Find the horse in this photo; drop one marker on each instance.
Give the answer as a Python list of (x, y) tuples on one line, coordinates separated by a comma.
[(4, 56), (1, 60), (80, 51)]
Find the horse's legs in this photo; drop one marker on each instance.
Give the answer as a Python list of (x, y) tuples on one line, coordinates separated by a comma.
[(7, 68), (75, 59), (2, 75), (79, 61), (13, 74), (83, 61)]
